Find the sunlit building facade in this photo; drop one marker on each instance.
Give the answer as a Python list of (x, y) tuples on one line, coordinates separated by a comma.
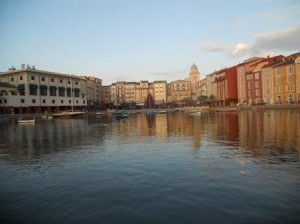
[(42, 91)]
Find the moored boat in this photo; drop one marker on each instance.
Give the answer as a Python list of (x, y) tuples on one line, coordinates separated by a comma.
[(26, 121), (67, 114)]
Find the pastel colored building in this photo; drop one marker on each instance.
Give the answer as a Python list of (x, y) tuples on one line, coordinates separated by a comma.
[(193, 78), (180, 90), (284, 81)]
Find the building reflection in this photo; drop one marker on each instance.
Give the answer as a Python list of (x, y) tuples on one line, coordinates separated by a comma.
[(253, 133)]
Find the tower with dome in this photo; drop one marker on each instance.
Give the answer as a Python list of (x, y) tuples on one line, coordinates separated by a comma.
[(193, 77)]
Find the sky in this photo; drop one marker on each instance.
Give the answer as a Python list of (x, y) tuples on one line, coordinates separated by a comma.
[(134, 40)]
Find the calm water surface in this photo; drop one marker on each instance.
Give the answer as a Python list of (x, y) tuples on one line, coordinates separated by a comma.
[(169, 168)]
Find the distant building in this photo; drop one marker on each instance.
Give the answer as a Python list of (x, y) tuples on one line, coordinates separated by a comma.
[(193, 78), (180, 90)]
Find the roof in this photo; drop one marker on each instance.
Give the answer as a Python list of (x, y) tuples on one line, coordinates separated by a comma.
[(39, 72)]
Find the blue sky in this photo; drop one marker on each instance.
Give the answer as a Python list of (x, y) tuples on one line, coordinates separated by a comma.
[(133, 40)]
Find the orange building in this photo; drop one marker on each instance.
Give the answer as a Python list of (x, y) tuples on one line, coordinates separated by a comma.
[(284, 80)]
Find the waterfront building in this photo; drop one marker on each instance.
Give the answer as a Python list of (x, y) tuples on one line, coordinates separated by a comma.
[(160, 92), (193, 78), (242, 69), (211, 87), (297, 66), (42, 91), (130, 92), (105, 97), (93, 91), (226, 84), (180, 90), (254, 84), (284, 79)]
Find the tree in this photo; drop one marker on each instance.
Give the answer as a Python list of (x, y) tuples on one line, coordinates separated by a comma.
[(203, 100)]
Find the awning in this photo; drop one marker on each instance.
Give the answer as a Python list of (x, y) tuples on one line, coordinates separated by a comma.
[(53, 87), (61, 88), (43, 87)]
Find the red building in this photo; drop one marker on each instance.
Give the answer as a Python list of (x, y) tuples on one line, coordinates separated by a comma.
[(226, 85)]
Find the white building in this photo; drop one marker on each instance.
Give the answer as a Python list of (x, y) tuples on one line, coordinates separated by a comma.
[(39, 91)]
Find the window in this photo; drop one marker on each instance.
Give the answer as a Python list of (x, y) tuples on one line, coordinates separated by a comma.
[(289, 69), (289, 78), (33, 89), (43, 79), (21, 77), (70, 101), (61, 101), (77, 92), (256, 84), (43, 90), (249, 85), (33, 100), (68, 92), (257, 75), (61, 81), (12, 79), (21, 89), (52, 79), (278, 71), (61, 91), (278, 81), (53, 101), (32, 77), (44, 101), (22, 100), (52, 91), (69, 82)]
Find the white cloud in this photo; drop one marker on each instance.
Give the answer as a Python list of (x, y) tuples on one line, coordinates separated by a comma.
[(240, 49)]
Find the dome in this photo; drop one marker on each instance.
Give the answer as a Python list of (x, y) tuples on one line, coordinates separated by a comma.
[(194, 67)]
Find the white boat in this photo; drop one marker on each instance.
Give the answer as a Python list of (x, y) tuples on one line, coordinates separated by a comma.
[(67, 114), (26, 121), (161, 111), (99, 113)]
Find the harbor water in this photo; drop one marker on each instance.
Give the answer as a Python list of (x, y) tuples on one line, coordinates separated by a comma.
[(177, 167)]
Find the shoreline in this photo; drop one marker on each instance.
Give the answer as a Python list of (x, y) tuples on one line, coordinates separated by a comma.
[(185, 109)]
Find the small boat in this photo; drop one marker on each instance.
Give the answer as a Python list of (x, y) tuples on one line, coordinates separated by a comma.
[(26, 121), (67, 114), (196, 113), (99, 113), (120, 115), (161, 111)]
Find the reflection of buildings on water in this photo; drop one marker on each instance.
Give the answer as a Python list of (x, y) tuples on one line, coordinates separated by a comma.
[(29, 141), (269, 129), (255, 133)]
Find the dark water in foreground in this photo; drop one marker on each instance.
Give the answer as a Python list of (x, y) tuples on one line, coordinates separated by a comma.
[(170, 168)]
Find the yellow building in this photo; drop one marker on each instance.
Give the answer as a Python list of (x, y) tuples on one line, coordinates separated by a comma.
[(284, 80)]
